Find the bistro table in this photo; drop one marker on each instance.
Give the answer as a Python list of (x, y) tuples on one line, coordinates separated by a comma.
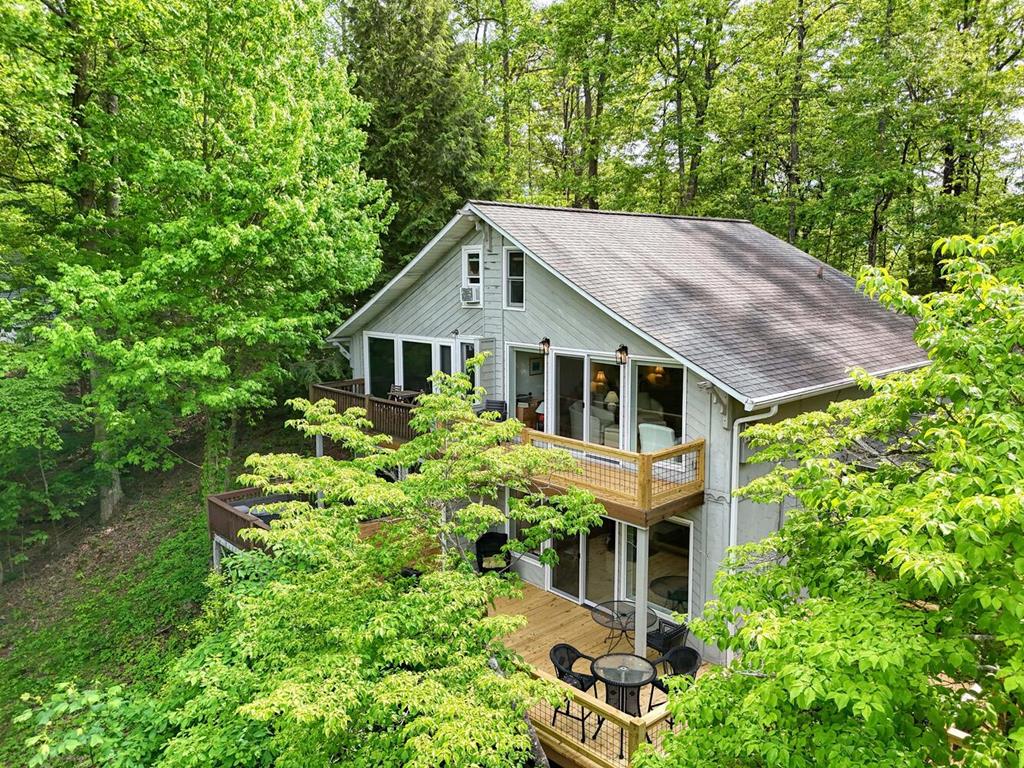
[(623, 675), (619, 617)]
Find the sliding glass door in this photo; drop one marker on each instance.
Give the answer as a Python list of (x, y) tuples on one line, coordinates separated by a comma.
[(382, 365), (668, 565), (587, 392), (417, 365)]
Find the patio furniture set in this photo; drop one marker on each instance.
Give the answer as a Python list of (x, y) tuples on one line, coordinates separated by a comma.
[(623, 675)]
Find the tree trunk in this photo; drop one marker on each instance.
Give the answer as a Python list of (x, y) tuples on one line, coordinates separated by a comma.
[(110, 492), (218, 450), (793, 163), (589, 142)]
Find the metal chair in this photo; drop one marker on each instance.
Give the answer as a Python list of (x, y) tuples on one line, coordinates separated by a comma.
[(681, 661), (498, 406), (490, 545), (563, 656), (666, 636)]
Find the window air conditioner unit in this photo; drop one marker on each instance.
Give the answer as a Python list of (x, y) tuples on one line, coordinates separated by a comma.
[(471, 294)]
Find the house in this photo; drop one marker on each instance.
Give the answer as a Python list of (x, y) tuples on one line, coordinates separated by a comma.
[(643, 344)]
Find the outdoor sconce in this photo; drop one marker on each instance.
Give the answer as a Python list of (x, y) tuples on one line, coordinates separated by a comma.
[(622, 354), (545, 345)]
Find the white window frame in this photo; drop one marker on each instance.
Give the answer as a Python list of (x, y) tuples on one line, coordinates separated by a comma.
[(435, 351), (661, 611), (506, 279), (478, 252)]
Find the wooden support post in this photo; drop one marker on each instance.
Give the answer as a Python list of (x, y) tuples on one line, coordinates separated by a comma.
[(635, 736), (642, 555), (644, 476)]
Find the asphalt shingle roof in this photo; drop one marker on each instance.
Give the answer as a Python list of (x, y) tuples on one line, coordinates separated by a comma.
[(734, 300)]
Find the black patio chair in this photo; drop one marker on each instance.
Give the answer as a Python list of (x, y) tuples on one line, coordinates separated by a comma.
[(498, 406), (666, 636), (681, 660), (563, 656), (489, 546)]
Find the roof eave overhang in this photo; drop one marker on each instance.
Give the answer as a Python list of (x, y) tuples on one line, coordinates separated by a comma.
[(792, 395), (344, 330)]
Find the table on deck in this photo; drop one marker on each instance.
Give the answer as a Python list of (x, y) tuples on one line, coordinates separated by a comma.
[(619, 616), (623, 675)]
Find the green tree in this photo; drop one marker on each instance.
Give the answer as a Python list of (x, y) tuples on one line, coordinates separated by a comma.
[(209, 218), (328, 651), (426, 131), (889, 606)]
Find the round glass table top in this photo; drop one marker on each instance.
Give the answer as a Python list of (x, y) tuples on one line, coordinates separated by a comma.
[(623, 669), (621, 615)]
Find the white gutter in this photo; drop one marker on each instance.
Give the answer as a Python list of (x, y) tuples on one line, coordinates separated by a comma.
[(821, 389), (734, 481)]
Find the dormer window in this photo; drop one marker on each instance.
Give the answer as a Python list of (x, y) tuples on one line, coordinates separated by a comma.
[(472, 276), (515, 279)]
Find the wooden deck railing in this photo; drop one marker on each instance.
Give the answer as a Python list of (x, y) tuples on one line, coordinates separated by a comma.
[(644, 482), (616, 741), (224, 520), (388, 416)]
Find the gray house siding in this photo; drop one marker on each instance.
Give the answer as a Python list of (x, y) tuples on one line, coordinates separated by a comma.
[(554, 310), (432, 308)]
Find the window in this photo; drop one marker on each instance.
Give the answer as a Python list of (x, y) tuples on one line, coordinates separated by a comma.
[(445, 362), (416, 365), (468, 351), (472, 275), (515, 279), (382, 366)]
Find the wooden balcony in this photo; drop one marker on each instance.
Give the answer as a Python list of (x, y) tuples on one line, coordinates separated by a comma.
[(550, 620), (389, 417), (229, 513), (638, 488)]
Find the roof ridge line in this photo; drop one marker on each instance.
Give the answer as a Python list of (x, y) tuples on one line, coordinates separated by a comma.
[(606, 211)]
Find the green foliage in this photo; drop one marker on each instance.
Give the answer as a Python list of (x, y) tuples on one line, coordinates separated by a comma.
[(182, 216), (854, 130), (426, 129), (897, 585), (111, 626), (328, 651)]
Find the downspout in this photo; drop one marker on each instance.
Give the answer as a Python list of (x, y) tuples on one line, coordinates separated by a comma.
[(734, 481), (734, 469)]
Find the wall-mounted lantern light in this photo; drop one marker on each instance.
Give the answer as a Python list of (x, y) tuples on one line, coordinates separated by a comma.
[(622, 354), (545, 345)]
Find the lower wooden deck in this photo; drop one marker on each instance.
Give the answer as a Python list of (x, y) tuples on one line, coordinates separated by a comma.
[(552, 619)]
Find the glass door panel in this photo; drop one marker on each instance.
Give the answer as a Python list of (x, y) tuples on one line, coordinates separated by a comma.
[(669, 566), (600, 568), (445, 358), (604, 392), (416, 365), (526, 399), (571, 407), (565, 576), (382, 366), (658, 407)]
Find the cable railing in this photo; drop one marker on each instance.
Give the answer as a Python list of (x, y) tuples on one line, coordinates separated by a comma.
[(642, 481)]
